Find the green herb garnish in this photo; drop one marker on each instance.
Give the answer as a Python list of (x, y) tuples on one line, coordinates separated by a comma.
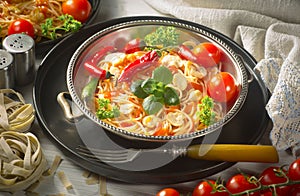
[(152, 104), (68, 24), (206, 114), (155, 91), (163, 75), (162, 37), (138, 90), (106, 110)]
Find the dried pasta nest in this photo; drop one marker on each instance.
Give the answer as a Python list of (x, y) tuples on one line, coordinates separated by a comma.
[(14, 115), (21, 161)]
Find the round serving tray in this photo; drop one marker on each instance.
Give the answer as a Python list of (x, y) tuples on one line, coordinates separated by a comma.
[(247, 127)]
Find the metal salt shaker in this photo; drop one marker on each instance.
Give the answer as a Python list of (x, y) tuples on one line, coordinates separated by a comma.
[(22, 47), (6, 70)]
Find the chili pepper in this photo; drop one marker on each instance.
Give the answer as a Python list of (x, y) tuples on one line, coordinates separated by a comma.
[(90, 88), (91, 64), (100, 54), (95, 71), (139, 64), (186, 53), (133, 46)]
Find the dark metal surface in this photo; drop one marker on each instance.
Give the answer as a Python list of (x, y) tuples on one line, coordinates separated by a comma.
[(247, 127)]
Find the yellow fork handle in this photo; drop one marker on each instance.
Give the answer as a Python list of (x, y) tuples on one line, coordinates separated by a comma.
[(234, 153)]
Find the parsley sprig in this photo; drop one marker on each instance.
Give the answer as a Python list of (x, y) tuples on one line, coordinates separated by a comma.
[(162, 37), (106, 110), (68, 24), (205, 112)]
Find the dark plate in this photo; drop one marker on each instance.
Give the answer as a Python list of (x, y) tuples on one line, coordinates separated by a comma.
[(43, 47), (247, 127)]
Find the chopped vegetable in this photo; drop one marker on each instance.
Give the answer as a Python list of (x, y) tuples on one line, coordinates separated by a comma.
[(162, 37), (91, 64), (106, 110), (89, 89), (152, 105), (137, 65), (170, 96), (151, 86), (69, 25), (206, 114), (187, 54), (134, 45), (163, 75), (97, 72), (138, 90), (96, 57)]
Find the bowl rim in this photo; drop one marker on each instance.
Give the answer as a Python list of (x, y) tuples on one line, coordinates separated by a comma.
[(169, 22)]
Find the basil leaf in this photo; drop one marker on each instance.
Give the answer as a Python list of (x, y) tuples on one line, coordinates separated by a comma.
[(137, 90), (151, 105), (171, 97), (149, 86), (162, 74)]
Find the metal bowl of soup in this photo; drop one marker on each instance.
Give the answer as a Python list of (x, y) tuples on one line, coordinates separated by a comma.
[(157, 80)]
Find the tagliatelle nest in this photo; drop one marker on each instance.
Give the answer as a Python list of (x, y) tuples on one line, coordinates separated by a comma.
[(21, 161), (14, 115)]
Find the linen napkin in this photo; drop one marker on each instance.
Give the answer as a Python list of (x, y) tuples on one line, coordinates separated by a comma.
[(270, 32)]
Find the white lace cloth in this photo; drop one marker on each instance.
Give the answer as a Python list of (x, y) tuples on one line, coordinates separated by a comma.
[(270, 31)]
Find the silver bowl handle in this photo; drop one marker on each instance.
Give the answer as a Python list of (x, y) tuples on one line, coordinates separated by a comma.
[(64, 104), (250, 71)]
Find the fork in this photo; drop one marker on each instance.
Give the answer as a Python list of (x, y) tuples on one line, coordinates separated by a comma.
[(213, 152)]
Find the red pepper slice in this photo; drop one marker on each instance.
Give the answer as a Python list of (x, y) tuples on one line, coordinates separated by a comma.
[(97, 71), (91, 64), (101, 53), (133, 46), (139, 64), (185, 53)]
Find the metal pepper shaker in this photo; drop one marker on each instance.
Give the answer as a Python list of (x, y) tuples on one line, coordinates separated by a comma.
[(6, 70), (22, 48)]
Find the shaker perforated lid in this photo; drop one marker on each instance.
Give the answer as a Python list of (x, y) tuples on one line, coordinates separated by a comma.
[(6, 59), (6, 70), (22, 47), (18, 43)]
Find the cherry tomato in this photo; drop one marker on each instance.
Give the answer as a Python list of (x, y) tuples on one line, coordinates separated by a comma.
[(168, 192), (267, 193), (240, 183), (294, 170), (207, 54), (79, 9), (21, 26), (295, 191), (275, 175), (294, 174), (205, 188), (222, 87)]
